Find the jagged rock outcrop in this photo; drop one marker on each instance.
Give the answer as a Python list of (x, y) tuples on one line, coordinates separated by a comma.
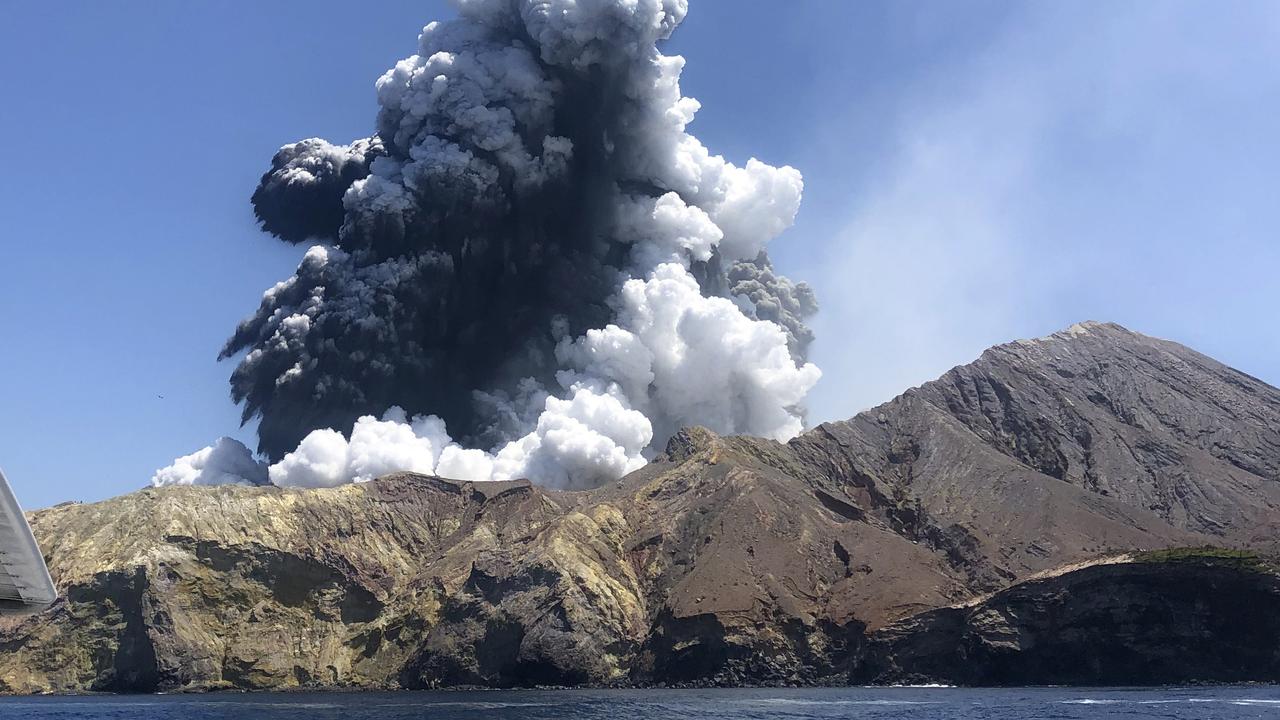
[(726, 560)]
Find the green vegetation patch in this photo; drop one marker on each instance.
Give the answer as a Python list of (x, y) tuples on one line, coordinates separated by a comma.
[(1246, 559)]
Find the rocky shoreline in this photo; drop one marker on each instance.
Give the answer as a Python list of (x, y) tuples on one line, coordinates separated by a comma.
[(1214, 603)]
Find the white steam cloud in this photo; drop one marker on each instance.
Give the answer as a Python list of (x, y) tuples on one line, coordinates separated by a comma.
[(225, 462), (696, 328)]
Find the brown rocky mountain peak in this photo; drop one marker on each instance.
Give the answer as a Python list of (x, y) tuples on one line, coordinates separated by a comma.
[(868, 549)]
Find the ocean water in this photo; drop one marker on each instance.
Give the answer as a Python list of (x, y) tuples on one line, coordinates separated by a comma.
[(1226, 703)]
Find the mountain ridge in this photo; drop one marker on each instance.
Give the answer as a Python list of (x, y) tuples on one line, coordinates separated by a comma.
[(1101, 429), (726, 560)]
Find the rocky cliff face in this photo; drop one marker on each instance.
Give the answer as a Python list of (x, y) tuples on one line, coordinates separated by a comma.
[(726, 560), (1184, 617)]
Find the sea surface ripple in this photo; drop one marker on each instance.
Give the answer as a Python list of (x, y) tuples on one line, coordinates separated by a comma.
[(1216, 703)]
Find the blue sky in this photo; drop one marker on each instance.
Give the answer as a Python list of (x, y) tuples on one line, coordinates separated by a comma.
[(975, 172)]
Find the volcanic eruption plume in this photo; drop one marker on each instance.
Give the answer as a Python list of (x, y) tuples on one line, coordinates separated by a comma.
[(531, 269)]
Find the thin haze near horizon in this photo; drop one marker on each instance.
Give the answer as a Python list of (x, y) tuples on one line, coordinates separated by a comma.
[(974, 173)]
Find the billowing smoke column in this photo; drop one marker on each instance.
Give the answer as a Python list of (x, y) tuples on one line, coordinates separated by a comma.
[(530, 270)]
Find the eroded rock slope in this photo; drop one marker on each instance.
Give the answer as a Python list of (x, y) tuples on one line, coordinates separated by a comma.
[(726, 560)]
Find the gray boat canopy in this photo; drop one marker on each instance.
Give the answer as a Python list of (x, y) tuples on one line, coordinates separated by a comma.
[(25, 585)]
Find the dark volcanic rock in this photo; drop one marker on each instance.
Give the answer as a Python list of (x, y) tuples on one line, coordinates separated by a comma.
[(1197, 619), (725, 561)]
